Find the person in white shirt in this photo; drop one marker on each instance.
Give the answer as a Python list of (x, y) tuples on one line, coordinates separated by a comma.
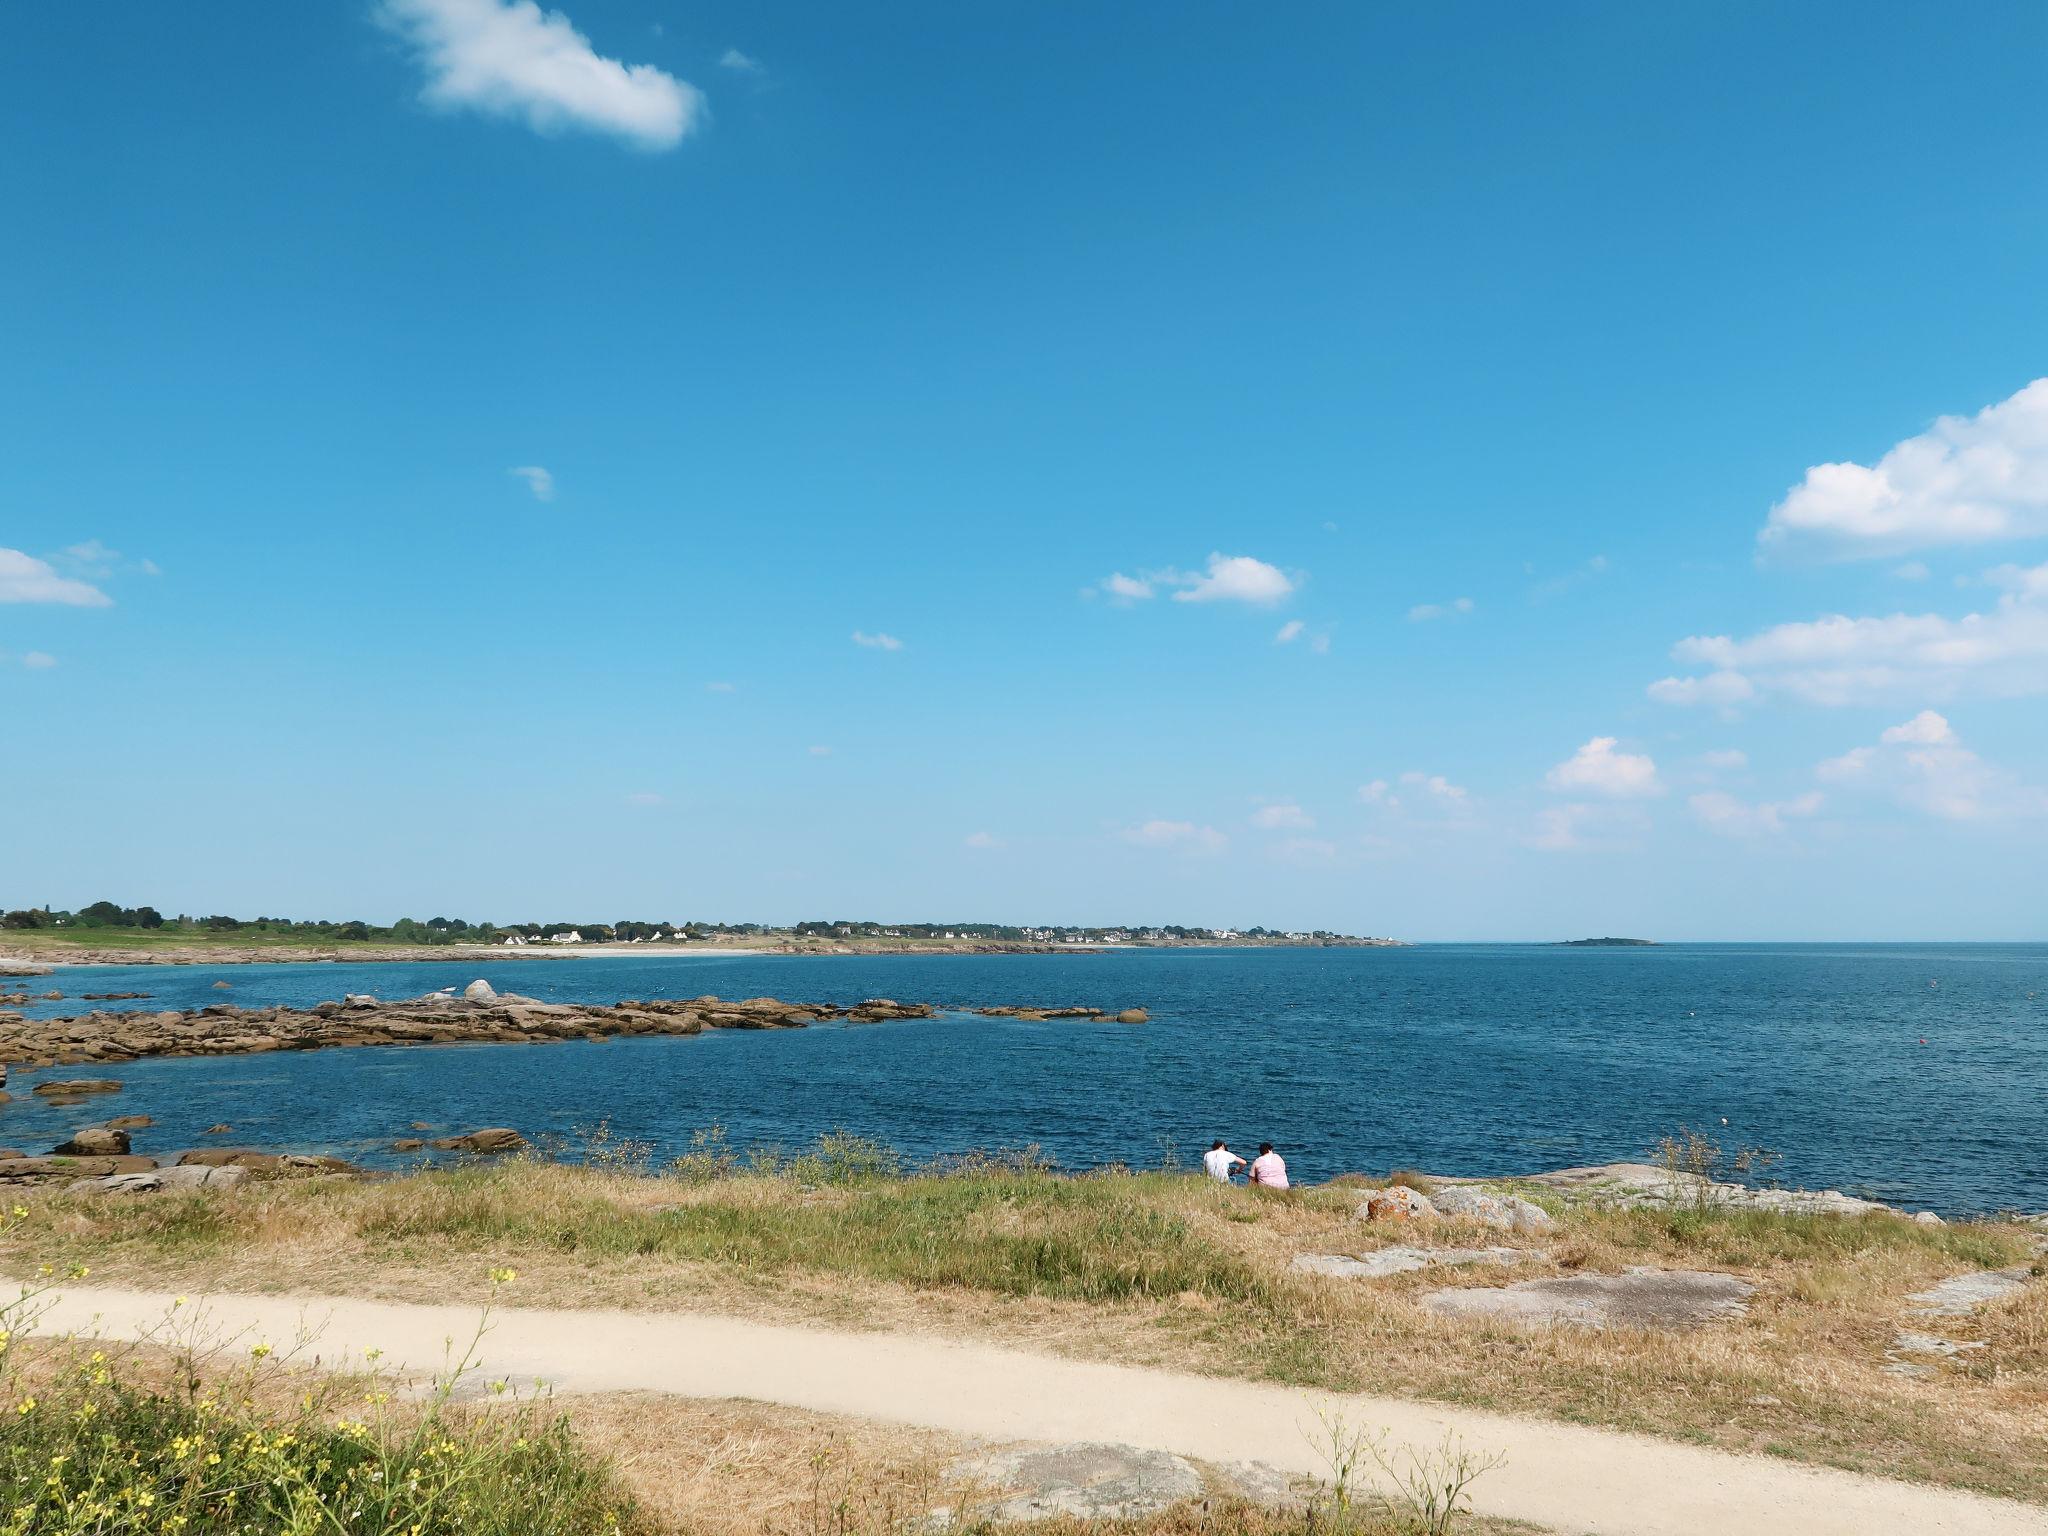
[(1220, 1162), (1269, 1170)]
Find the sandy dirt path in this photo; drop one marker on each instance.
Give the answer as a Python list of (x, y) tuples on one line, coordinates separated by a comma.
[(1565, 1477)]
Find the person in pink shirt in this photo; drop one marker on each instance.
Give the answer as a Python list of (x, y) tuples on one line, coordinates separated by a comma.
[(1268, 1170)]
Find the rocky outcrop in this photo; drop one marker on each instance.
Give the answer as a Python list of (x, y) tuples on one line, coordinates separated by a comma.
[(95, 1141), (77, 1087), (266, 1164), (497, 1138), (1396, 1203), (1506, 1213), (224, 1030), (1127, 1016), (17, 1171)]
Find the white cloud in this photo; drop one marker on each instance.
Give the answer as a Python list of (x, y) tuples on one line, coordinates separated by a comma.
[(1723, 688), (25, 579), (1596, 768), (982, 840), (1437, 788), (1272, 818), (645, 797), (538, 480), (1236, 579), (1125, 589), (1725, 760), (1923, 764), (1723, 813), (819, 751), (509, 58), (1966, 480), (1378, 792), (2001, 652), (1422, 613), (1227, 579), (92, 558), (1176, 834), (720, 688), (877, 641), (38, 661), (1289, 632), (739, 63), (1320, 644), (1926, 729), (1912, 570)]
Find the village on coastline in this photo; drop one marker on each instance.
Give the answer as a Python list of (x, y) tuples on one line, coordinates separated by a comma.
[(106, 933)]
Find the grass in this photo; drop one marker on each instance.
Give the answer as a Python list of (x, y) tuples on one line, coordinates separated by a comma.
[(1165, 1270)]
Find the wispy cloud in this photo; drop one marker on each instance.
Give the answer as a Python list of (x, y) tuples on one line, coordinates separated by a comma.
[(1422, 613), (819, 751), (877, 641), (1598, 769), (25, 579), (1965, 480), (982, 840), (1922, 763), (720, 688), (509, 58), (645, 797), (1837, 660), (38, 661), (1183, 835), (1289, 632), (1282, 817), (1721, 812), (739, 63), (538, 480)]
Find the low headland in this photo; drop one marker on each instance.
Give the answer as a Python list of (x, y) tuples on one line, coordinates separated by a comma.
[(34, 939)]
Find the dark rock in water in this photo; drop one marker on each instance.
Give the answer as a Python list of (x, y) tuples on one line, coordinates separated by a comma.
[(1133, 1016), (218, 1130), (408, 1144), (492, 1139), (78, 1086), (96, 1141), (223, 986), (130, 1123)]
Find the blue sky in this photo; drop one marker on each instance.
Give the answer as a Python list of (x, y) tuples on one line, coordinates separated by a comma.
[(1455, 472)]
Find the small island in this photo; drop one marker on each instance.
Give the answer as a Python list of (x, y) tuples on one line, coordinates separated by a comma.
[(1605, 944)]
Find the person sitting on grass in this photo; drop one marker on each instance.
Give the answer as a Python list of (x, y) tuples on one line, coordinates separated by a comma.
[(1269, 1170), (1219, 1162)]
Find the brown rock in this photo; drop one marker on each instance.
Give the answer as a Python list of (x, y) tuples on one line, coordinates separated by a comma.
[(407, 1144), (492, 1139), (96, 1141), (74, 1087), (1133, 1016), (218, 1130), (1398, 1203), (130, 1123)]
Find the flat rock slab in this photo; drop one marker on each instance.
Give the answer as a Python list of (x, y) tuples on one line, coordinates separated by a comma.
[(1931, 1344), (1089, 1481), (1399, 1260), (1640, 1298), (1966, 1293)]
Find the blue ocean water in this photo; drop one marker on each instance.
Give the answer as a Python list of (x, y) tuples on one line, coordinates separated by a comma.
[(1915, 1074)]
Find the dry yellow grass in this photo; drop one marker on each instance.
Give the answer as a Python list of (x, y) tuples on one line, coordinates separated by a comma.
[(1172, 1272)]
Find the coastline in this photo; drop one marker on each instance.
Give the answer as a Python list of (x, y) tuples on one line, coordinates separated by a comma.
[(19, 958)]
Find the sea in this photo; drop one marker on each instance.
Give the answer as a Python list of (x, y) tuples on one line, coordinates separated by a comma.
[(1915, 1074)]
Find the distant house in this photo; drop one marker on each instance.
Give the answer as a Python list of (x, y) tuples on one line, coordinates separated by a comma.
[(571, 937)]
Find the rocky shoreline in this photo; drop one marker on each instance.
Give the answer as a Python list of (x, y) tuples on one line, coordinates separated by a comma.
[(479, 1015)]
